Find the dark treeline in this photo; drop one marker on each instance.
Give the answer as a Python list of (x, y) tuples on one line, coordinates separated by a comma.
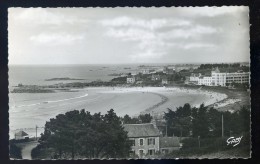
[(201, 131), (191, 121), (78, 134), (142, 118), (222, 65)]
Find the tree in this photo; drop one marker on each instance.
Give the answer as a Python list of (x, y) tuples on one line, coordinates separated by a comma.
[(117, 144), (14, 150), (215, 118), (146, 118), (200, 126), (128, 120), (179, 121), (244, 119), (183, 121), (170, 120), (78, 133)]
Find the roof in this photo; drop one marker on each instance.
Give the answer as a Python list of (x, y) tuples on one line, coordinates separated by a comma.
[(141, 130), (216, 70), (169, 142), (21, 133)]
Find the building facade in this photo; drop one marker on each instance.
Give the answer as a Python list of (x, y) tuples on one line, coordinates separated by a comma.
[(164, 81), (225, 79), (144, 139), (218, 78), (146, 71), (194, 78), (155, 77), (168, 70), (205, 80), (21, 135), (130, 80)]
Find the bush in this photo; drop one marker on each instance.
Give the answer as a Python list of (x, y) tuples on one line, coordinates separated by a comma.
[(208, 144), (14, 151)]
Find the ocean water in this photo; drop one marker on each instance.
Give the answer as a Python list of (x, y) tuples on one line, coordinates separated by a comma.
[(36, 75)]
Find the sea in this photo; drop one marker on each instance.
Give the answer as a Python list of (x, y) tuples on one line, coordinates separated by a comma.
[(37, 75)]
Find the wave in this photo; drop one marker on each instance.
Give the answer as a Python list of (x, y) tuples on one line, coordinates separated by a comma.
[(66, 99), (55, 101), (26, 105)]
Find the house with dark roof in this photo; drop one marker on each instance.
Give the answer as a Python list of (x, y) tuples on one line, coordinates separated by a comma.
[(144, 139), (155, 77), (21, 135), (168, 144)]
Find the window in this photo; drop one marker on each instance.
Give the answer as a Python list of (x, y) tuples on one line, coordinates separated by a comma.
[(132, 142), (141, 153), (141, 141), (132, 152), (151, 141), (151, 151)]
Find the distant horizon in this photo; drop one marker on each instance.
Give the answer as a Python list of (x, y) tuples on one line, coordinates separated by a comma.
[(194, 63)]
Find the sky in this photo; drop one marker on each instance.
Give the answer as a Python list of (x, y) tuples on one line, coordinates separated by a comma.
[(128, 35)]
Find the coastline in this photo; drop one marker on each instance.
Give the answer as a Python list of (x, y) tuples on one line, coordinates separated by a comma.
[(125, 100)]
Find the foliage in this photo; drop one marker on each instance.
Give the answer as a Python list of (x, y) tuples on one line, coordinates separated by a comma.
[(119, 80), (206, 122), (142, 118), (200, 125), (78, 133), (14, 151), (179, 121), (210, 66), (146, 118)]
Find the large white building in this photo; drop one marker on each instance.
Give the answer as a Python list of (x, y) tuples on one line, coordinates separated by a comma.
[(205, 80), (218, 78), (224, 79), (194, 78)]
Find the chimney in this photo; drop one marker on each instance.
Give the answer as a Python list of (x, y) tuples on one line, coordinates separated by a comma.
[(153, 121)]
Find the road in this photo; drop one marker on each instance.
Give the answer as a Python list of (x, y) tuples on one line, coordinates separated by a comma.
[(27, 149)]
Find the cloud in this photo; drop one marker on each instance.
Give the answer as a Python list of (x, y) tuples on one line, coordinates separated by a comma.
[(197, 45), (151, 24), (41, 16), (154, 43), (146, 55), (130, 34), (192, 32), (215, 11), (56, 38)]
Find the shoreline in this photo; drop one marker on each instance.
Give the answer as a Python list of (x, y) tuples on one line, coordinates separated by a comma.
[(116, 98)]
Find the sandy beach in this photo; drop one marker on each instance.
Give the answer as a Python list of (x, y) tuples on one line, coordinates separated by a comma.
[(28, 110)]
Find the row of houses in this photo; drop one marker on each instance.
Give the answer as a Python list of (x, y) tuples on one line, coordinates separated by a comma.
[(218, 78), (132, 79), (166, 70)]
